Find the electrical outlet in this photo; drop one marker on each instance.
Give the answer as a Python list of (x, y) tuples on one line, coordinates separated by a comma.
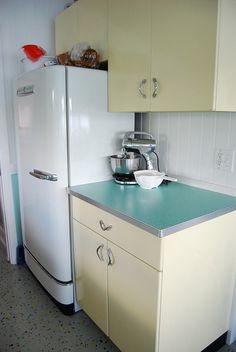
[(224, 160)]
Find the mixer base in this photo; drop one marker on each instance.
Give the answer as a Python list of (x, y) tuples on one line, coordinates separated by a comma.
[(123, 179)]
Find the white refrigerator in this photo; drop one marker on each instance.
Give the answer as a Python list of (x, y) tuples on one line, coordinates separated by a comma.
[(65, 136)]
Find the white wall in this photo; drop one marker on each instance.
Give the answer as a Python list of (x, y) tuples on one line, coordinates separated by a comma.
[(187, 143)]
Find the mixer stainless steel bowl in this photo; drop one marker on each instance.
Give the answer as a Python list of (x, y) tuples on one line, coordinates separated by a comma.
[(125, 163)]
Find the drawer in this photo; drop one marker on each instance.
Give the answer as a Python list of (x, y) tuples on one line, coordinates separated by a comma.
[(134, 240)]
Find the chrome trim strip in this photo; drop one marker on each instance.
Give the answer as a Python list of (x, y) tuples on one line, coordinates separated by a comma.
[(196, 221), (63, 283), (157, 232)]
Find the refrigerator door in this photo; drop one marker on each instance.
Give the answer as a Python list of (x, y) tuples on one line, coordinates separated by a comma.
[(94, 133), (42, 141)]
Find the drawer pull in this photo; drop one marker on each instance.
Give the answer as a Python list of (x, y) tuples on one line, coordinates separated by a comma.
[(110, 257), (99, 252), (104, 227)]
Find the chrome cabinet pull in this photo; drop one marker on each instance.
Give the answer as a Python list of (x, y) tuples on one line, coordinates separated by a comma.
[(104, 227), (99, 252), (110, 257), (156, 87), (42, 175), (143, 82)]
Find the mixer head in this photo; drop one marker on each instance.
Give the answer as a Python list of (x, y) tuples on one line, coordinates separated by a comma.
[(141, 141)]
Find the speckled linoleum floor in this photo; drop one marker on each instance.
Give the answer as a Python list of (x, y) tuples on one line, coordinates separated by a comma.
[(30, 321), (231, 348)]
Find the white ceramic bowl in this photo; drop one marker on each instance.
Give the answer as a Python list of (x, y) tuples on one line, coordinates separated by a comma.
[(149, 179)]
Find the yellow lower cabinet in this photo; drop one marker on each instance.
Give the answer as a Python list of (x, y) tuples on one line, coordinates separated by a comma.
[(91, 274), (197, 285), (133, 288), (181, 304), (117, 290)]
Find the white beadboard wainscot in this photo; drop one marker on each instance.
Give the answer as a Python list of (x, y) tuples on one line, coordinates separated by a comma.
[(187, 143)]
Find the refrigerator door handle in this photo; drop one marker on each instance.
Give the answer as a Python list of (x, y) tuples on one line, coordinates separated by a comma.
[(42, 175)]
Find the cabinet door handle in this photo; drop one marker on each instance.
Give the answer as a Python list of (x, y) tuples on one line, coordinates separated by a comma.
[(104, 227), (99, 252), (110, 257), (155, 86), (143, 82)]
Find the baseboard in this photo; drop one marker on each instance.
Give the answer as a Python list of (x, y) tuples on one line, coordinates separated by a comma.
[(20, 256), (217, 344), (2, 237)]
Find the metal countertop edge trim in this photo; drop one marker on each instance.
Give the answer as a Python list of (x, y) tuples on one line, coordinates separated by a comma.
[(196, 221), (157, 232), (122, 216)]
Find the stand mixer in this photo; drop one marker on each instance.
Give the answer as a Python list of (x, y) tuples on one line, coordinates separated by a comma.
[(142, 146), (135, 146)]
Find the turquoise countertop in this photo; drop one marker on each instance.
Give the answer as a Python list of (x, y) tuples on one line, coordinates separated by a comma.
[(161, 211)]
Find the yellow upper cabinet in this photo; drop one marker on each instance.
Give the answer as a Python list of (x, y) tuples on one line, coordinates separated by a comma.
[(183, 54), (168, 55), (129, 46), (225, 82), (84, 21)]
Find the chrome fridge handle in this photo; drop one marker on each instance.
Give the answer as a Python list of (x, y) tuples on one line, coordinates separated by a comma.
[(143, 82), (42, 175), (156, 87)]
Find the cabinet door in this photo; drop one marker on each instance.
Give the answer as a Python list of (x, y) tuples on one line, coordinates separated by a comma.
[(84, 21), (198, 283), (225, 88), (183, 54), (66, 22), (129, 55), (133, 302), (91, 273)]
